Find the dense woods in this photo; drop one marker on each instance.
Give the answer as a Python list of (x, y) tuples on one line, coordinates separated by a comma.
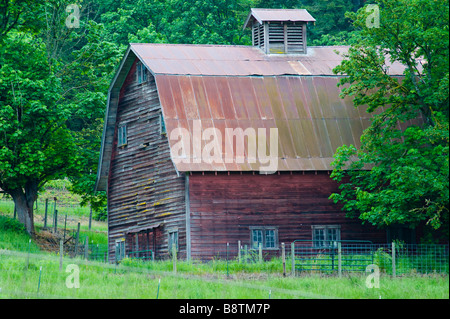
[(57, 59)]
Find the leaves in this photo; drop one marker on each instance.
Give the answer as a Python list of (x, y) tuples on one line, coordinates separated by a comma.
[(406, 145)]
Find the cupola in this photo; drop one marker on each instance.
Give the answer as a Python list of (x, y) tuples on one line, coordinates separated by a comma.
[(279, 31)]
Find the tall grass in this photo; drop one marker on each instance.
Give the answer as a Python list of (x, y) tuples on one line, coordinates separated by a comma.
[(140, 280)]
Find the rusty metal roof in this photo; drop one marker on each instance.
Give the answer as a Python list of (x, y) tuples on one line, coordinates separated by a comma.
[(229, 60), (294, 15), (240, 86), (311, 119)]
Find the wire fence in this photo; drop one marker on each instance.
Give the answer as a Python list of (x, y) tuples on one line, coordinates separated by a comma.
[(296, 258), (355, 256)]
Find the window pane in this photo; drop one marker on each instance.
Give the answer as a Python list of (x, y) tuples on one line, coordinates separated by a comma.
[(256, 238), (270, 238), (319, 237), (173, 240), (331, 236), (122, 135), (139, 72)]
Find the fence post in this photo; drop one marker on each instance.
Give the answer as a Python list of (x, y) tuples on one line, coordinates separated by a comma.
[(339, 259), (393, 260), (90, 217), (61, 250), (283, 257), (86, 248), (45, 214), (260, 252), (76, 240), (239, 251), (245, 254), (293, 259), (56, 220), (228, 244), (54, 213), (174, 257)]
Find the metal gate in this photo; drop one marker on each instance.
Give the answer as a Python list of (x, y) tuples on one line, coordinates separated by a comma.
[(333, 256)]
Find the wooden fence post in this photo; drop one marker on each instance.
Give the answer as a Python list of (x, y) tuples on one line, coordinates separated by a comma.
[(239, 251), (293, 259), (54, 213), (45, 214), (174, 257), (76, 240), (90, 217), (260, 252), (86, 248), (283, 257), (61, 250), (55, 221), (394, 272), (339, 259), (245, 254)]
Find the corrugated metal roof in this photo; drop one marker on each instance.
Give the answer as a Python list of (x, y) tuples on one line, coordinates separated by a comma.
[(294, 15), (311, 119), (240, 86), (229, 60)]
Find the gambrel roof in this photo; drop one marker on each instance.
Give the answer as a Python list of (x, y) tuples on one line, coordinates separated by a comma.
[(240, 86)]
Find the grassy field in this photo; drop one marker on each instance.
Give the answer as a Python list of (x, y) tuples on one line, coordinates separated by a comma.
[(28, 272), (31, 273), (20, 272)]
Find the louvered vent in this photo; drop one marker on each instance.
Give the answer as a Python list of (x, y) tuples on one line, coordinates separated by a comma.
[(282, 37), (295, 40), (276, 38), (258, 35)]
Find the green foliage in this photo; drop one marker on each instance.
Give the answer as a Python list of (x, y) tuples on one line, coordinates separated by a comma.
[(407, 144), (11, 225)]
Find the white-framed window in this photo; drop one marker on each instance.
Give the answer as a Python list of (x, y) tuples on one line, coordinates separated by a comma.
[(173, 239), (120, 249), (141, 72), (267, 236), (326, 235), (122, 135)]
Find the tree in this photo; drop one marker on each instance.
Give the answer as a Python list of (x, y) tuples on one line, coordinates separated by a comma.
[(34, 144), (52, 105), (407, 143)]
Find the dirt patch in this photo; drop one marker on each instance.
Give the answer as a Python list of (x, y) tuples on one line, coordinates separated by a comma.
[(50, 241)]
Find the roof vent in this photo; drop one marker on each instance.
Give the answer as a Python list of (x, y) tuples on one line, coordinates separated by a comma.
[(279, 31)]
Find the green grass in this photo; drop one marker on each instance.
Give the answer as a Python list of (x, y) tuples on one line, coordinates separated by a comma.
[(21, 261), (98, 280)]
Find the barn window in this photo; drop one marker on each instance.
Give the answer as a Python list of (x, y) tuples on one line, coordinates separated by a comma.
[(120, 249), (326, 235), (266, 236), (173, 239), (122, 136), (141, 72), (162, 125)]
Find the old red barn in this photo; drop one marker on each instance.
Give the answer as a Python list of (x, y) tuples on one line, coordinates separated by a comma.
[(209, 144)]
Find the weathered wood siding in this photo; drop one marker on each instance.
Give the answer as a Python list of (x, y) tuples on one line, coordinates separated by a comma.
[(144, 189), (224, 207)]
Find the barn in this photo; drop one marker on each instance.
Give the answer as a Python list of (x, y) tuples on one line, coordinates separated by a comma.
[(205, 145)]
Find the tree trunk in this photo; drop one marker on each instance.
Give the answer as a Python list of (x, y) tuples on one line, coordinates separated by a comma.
[(24, 201)]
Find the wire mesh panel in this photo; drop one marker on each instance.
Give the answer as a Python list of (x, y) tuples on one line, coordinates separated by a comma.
[(329, 257), (424, 259), (354, 256)]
